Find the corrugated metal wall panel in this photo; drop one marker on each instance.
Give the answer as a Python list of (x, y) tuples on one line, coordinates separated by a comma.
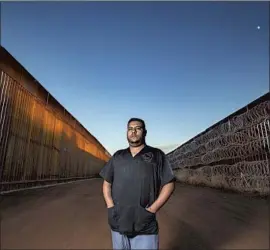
[(37, 143)]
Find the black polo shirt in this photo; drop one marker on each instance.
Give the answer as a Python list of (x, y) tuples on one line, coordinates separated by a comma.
[(136, 183)]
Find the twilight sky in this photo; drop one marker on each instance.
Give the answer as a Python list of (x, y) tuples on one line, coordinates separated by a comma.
[(180, 66)]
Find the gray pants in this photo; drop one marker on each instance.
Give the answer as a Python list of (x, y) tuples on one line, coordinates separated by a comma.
[(138, 242)]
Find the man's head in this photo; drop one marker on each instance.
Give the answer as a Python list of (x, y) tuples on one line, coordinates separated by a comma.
[(136, 132)]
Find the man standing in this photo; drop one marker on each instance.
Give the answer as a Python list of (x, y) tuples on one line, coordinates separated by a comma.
[(138, 181)]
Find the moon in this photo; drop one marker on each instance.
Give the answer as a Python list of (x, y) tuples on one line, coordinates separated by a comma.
[(258, 27)]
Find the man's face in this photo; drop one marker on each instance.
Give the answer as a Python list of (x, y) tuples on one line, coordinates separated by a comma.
[(135, 134)]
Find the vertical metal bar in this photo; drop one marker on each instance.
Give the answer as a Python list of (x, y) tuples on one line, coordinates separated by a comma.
[(27, 159), (6, 173), (3, 114), (26, 162), (51, 159), (21, 130), (11, 93), (4, 97), (14, 132), (42, 135), (63, 151), (34, 141), (39, 131), (56, 146), (24, 130), (15, 125), (3, 111), (45, 142), (18, 127), (68, 151), (5, 143), (25, 137), (50, 148)]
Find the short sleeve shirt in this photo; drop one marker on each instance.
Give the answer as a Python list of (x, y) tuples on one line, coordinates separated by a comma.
[(137, 180)]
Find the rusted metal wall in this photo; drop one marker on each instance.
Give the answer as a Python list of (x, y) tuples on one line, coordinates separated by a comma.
[(40, 141), (232, 154)]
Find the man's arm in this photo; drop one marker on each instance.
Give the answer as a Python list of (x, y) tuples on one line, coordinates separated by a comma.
[(107, 173), (163, 197), (167, 179), (107, 193)]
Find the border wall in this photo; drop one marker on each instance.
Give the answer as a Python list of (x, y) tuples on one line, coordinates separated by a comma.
[(40, 141), (232, 154)]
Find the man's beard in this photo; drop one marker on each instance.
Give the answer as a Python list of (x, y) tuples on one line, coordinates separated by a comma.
[(136, 143)]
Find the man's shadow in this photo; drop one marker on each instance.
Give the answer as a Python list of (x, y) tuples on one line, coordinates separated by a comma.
[(186, 238)]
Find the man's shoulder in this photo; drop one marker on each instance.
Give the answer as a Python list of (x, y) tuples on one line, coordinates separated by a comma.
[(119, 152)]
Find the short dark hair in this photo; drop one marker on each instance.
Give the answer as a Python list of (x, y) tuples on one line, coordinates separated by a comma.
[(134, 119)]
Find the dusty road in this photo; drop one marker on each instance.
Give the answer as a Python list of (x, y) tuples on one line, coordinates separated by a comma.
[(74, 216)]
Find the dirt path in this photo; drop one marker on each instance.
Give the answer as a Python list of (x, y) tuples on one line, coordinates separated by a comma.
[(74, 216)]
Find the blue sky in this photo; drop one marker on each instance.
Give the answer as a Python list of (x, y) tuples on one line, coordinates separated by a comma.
[(181, 66)]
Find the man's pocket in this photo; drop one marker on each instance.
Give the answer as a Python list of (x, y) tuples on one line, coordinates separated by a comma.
[(113, 217), (144, 219)]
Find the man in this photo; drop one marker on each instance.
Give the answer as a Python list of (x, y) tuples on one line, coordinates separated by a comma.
[(138, 181)]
